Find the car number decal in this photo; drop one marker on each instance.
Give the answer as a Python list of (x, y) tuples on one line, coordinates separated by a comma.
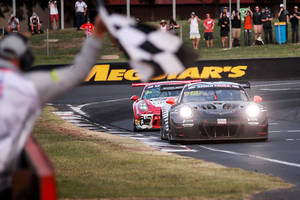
[(221, 121)]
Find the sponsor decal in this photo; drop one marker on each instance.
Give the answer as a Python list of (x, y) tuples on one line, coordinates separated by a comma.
[(110, 73)]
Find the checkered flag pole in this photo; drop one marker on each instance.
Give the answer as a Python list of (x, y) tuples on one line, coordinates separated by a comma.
[(150, 51)]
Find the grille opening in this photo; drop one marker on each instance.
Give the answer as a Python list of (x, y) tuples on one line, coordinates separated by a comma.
[(229, 106), (219, 131)]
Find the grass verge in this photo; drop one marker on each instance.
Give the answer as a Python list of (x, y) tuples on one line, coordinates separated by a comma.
[(99, 165)]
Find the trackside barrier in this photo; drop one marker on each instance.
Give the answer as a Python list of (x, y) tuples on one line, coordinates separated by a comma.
[(206, 70), (35, 178)]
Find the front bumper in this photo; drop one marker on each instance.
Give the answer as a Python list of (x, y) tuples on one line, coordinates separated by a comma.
[(147, 122), (219, 128)]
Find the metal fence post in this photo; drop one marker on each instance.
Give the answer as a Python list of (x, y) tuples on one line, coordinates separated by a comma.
[(47, 43), (181, 27)]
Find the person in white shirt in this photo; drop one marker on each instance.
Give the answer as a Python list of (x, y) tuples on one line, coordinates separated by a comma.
[(80, 10), (163, 25), (22, 95), (13, 24), (53, 13), (35, 23), (194, 30)]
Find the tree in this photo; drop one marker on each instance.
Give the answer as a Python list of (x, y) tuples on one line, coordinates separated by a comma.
[(5, 6)]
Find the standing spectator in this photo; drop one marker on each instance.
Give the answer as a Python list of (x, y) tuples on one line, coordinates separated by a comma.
[(267, 25), (225, 9), (236, 27), (13, 24), (53, 13), (209, 25), (257, 23), (88, 28), (248, 27), (163, 25), (173, 27), (283, 16), (224, 24), (35, 24), (194, 30), (294, 18), (81, 10)]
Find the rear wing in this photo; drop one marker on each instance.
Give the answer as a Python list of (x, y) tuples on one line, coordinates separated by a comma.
[(165, 83), (164, 88), (245, 85)]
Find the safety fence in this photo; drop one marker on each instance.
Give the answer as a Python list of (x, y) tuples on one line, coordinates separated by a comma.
[(206, 70)]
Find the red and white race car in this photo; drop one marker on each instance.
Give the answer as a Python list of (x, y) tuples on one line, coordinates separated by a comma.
[(147, 108)]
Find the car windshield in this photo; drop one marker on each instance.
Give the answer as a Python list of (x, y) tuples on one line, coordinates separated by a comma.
[(154, 91), (214, 94)]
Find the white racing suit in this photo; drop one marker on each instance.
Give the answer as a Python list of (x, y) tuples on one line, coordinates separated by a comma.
[(22, 97)]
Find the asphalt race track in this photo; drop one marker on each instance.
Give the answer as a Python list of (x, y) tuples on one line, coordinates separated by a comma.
[(110, 105)]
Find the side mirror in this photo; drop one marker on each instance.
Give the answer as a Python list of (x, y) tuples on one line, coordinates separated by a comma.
[(170, 100), (257, 99), (134, 98)]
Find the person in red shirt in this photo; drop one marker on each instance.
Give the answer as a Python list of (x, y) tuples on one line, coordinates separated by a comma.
[(209, 25), (248, 27), (88, 28)]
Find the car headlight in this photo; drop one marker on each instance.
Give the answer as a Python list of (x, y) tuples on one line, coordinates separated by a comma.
[(143, 106), (252, 110), (185, 112)]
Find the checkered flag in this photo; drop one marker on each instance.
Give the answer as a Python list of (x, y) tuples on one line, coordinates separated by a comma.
[(150, 51)]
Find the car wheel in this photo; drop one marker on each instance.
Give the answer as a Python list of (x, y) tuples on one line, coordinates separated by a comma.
[(163, 134), (134, 127), (162, 129), (170, 137)]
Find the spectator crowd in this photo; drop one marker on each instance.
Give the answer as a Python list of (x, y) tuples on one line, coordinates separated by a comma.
[(257, 26), (257, 22), (82, 21)]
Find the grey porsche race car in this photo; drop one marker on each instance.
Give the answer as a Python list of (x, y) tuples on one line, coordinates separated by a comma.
[(214, 111)]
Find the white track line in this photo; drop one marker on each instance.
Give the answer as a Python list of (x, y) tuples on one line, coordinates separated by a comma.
[(275, 84), (252, 156), (107, 101)]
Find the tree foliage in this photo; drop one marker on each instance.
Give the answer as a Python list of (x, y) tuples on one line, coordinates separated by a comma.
[(6, 5)]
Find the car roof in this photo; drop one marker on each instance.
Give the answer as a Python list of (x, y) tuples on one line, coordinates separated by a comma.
[(216, 83), (166, 83)]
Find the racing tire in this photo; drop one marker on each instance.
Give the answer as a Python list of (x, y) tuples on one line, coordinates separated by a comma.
[(134, 127), (162, 130), (163, 134), (170, 137)]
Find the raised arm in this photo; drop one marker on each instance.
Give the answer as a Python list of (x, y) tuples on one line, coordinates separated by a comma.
[(50, 84)]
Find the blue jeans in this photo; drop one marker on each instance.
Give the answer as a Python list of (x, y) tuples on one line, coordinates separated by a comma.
[(80, 19)]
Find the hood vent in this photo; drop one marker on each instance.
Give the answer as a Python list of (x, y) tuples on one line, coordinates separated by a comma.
[(229, 106), (208, 107)]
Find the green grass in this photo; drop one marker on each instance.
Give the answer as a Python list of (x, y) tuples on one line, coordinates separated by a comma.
[(99, 165), (70, 41)]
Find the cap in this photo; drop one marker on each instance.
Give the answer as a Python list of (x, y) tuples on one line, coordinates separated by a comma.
[(281, 5), (266, 8), (34, 14), (295, 6), (163, 21), (12, 47), (16, 46), (193, 13)]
